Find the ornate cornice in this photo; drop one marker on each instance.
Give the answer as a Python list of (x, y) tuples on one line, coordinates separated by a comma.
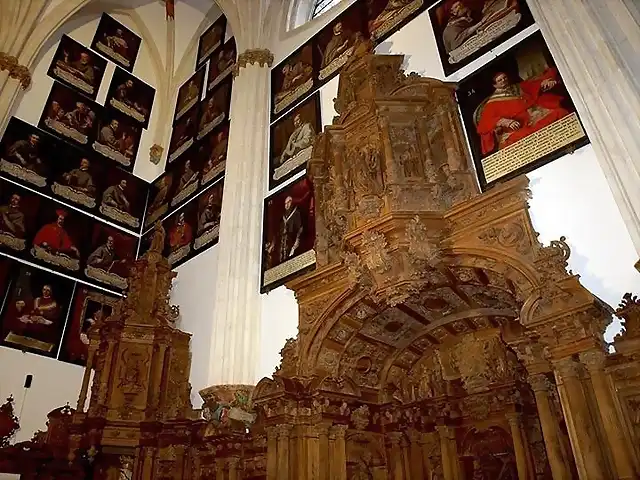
[(261, 56), (17, 71)]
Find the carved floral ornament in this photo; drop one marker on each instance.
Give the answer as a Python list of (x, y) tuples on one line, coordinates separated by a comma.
[(262, 56), (17, 71)]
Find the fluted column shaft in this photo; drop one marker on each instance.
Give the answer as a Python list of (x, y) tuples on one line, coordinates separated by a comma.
[(272, 453), (235, 349), (448, 447), (595, 47), (618, 446), (549, 425), (416, 464), (396, 470), (284, 432), (518, 446), (582, 432), (338, 449)]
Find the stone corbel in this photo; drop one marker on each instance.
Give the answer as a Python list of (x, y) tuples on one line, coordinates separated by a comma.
[(262, 56), (17, 71)]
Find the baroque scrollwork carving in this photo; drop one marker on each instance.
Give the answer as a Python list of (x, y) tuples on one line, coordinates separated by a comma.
[(17, 71)]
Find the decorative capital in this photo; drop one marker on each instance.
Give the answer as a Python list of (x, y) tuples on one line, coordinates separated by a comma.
[(155, 153), (513, 419), (539, 382), (338, 431), (566, 368), (594, 360), (261, 56), (17, 71)]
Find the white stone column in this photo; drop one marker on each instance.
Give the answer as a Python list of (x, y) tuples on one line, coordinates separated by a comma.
[(235, 348), (595, 45)]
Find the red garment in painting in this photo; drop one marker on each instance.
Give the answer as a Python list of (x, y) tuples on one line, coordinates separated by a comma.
[(55, 236), (525, 103), (180, 236)]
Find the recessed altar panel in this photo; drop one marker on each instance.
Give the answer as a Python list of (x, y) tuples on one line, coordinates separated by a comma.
[(288, 234), (116, 42), (35, 311), (78, 67), (89, 306), (518, 113), (467, 29), (292, 140)]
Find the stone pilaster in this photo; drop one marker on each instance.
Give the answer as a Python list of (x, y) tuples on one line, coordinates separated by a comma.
[(519, 445), (549, 423), (620, 452), (587, 451), (593, 46), (338, 449), (237, 310)]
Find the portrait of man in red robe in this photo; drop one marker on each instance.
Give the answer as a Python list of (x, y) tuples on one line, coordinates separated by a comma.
[(54, 238), (181, 234), (515, 110)]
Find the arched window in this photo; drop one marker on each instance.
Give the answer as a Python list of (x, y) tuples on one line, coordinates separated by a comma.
[(321, 6)]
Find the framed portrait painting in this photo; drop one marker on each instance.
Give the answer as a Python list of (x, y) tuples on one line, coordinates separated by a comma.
[(186, 173), (189, 94), (111, 255), (36, 309), (211, 40), (292, 140), (159, 195), (19, 209), (123, 198), (89, 307), (27, 153), (116, 42), (183, 134), (384, 17), (70, 115), (467, 29), (181, 229), (292, 79), (78, 177), (208, 219), (336, 42), (78, 67), (60, 241), (518, 113), (117, 138), (212, 152), (289, 234), (214, 109), (221, 64), (131, 96)]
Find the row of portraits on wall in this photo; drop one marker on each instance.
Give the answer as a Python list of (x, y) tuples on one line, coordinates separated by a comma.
[(43, 231), (76, 176), (192, 229), (464, 30), (202, 164), (105, 131), (516, 111), (47, 314), (201, 118)]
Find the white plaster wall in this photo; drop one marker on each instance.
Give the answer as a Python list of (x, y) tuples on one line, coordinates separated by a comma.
[(54, 385), (194, 292)]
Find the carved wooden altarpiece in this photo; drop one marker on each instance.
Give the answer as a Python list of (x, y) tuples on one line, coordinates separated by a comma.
[(438, 339)]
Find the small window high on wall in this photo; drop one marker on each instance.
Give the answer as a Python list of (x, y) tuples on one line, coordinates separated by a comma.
[(321, 6)]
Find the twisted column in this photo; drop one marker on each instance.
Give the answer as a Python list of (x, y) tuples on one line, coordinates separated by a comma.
[(235, 348)]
